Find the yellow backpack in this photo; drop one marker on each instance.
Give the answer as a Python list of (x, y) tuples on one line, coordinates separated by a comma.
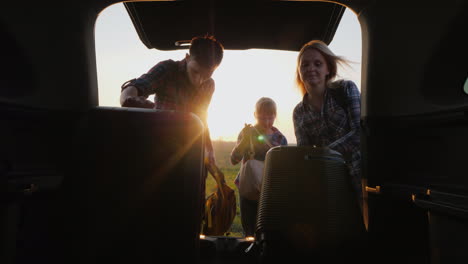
[(220, 206)]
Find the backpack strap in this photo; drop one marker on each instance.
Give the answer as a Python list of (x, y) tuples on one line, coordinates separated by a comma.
[(252, 150), (338, 93)]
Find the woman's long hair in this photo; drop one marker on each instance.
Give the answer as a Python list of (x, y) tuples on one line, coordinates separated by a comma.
[(331, 59)]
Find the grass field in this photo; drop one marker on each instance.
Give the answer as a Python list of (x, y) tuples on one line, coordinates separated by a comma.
[(223, 161)]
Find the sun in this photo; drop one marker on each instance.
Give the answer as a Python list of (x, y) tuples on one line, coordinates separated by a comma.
[(244, 77)]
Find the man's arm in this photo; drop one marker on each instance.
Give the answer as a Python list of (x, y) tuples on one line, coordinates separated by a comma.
[(129, 98), (135, 91), (207, 89), (209, 148), (130, 91)]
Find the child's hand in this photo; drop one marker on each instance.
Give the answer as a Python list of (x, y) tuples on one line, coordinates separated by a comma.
[(246, 134), (247, 130)]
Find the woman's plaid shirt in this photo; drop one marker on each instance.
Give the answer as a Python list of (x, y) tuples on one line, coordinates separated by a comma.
[(334, 126)]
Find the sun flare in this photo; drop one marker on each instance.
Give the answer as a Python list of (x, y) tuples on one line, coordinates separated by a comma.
[(241, 79)]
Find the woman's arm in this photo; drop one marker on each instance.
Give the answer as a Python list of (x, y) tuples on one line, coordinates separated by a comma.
[(348, 142), (300, 132)]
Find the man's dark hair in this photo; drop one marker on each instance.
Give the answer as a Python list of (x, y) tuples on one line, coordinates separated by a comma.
[(207, 51)]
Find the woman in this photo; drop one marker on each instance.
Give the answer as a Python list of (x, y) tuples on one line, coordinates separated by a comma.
[(264, 136), (329, 113)]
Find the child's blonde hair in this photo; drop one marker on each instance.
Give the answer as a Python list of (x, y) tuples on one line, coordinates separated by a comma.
[(265, 105)]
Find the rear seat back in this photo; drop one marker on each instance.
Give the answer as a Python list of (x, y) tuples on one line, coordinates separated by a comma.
[(138, 185)]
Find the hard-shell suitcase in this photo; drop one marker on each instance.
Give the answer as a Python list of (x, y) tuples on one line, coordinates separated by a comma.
[(307, 205)]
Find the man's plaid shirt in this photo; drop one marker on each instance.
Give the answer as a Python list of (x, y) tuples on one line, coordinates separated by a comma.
[(169, 82), (334, 126), (172, 90)]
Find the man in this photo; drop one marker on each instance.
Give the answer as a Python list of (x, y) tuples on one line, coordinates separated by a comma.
[(184, 85)]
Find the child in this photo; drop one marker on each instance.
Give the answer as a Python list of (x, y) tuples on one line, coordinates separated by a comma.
[(264, 136)]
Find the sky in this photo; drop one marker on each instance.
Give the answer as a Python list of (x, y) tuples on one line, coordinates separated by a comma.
[(242, 78)]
